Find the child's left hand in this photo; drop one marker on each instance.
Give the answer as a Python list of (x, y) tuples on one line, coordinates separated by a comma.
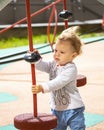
[(37, 89)]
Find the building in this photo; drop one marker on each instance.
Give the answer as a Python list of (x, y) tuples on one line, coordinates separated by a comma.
[(83, 10)]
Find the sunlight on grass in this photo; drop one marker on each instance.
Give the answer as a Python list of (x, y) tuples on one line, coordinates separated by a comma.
[(13, 42), (37, 39), (92, 35), (17, 42)]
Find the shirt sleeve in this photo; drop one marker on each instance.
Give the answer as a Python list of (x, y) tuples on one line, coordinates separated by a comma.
[(44, 66), (64, 78)]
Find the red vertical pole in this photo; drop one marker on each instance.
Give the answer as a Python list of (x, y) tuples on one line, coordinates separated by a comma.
[(66, 20), (103, 22), (31, 49)]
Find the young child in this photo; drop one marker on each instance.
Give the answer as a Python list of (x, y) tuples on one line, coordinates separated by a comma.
[(65, 101)]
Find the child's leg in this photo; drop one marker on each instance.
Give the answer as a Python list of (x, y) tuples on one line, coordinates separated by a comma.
[(61, 125), (77, 121)]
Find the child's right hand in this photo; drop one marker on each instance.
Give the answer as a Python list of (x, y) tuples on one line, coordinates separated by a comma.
[(34, 50), (37, 89)]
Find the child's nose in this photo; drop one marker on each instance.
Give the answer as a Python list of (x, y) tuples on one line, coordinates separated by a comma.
[(57, 54)]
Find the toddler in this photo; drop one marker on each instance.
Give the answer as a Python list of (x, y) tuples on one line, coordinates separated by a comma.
[(65, 101)]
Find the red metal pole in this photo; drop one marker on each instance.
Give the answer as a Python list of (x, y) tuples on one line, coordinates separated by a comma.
[(66, 20), (31, 49), (103, 22)]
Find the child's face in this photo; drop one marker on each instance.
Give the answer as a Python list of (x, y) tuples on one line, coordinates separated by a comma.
[(63, 53)]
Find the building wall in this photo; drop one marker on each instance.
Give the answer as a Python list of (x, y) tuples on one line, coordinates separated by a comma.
[(82, 10)]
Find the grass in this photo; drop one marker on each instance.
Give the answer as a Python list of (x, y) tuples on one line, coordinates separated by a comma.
[(92, 35), (37, 39), (16, 42)]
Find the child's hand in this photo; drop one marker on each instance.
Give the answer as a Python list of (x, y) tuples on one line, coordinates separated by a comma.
[(37, 89), (34, 51)]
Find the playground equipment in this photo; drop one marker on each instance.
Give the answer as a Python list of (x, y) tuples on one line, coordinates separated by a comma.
[(28, 121), (65, 14), (103, 22), (41, 121), (34, 121), (102, 2)]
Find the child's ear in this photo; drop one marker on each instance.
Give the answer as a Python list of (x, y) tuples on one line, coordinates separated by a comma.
[(74, 54)]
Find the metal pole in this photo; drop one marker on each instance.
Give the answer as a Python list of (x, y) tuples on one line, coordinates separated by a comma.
[(31, 49), (66, 20)]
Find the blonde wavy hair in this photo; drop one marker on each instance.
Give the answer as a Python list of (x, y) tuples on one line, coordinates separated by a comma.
[(70, 35)]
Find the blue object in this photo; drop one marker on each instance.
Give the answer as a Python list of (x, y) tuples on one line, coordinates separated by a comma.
[(8, 127), (93, 119), (6, 97)]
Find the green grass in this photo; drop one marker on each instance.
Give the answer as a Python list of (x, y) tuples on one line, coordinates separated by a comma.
[(16, 42), (37, 39), (92, 35)]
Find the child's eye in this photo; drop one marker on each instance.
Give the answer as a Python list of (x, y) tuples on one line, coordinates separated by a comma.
[(55, 50), (62, 52)]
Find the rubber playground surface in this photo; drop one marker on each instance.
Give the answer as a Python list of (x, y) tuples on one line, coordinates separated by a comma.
[(15, 88)]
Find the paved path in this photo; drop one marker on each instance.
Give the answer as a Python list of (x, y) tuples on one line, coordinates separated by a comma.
[(16, 79)]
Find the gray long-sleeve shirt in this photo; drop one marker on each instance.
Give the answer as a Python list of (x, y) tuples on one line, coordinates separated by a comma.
[(64, 94)]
